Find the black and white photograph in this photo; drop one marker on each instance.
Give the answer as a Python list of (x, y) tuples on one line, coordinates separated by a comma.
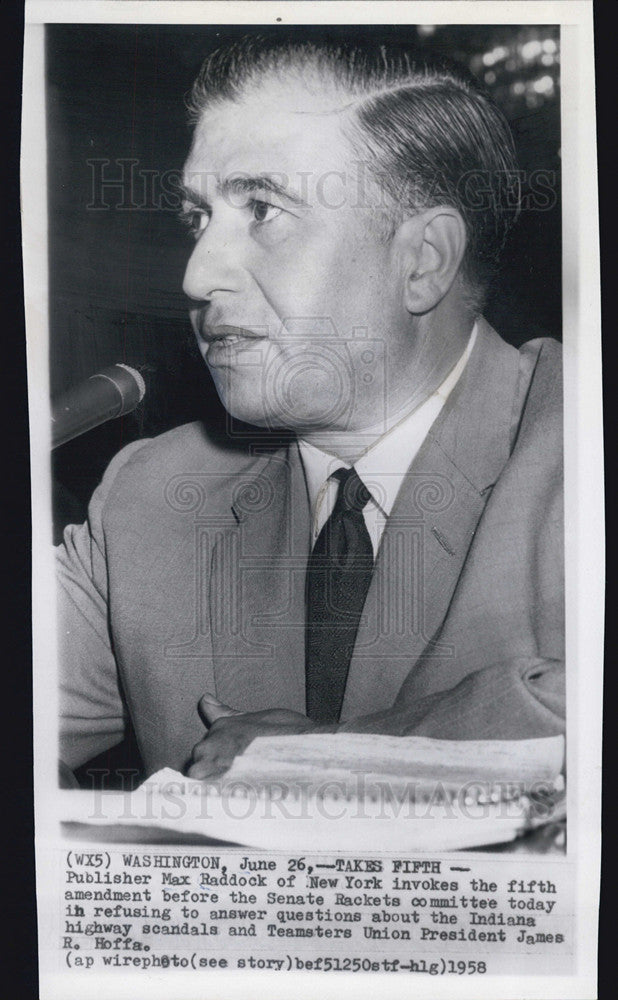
[(310, 598)]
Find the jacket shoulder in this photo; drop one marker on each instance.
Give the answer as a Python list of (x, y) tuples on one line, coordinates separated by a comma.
[(546, 351), (541, 378), (537, 426), (142, 472)]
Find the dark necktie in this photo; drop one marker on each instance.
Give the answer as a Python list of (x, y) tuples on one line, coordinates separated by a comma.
[(338, 576)]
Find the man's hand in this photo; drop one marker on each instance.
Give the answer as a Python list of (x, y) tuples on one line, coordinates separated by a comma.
[(230, 733)]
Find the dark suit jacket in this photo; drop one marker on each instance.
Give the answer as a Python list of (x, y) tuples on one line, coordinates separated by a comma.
[(189, 576)]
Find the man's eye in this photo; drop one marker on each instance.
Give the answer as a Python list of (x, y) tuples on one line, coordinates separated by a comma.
[(263, 211), (195, 220)]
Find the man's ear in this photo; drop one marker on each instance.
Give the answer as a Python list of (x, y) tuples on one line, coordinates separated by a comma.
[(432, 245)]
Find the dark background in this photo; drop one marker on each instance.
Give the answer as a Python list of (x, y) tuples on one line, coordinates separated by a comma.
[(117, 92)]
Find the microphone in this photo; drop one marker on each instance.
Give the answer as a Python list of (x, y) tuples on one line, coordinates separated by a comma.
[(110, 393)]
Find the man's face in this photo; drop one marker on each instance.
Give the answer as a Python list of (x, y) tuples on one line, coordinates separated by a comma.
[(295, 299)]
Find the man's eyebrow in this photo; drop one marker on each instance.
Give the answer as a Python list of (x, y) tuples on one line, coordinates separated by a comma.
[(261, 184), (244, 184), (194, 197)]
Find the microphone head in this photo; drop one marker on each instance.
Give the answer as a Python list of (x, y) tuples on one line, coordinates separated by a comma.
[(129, 383), (113, 392)]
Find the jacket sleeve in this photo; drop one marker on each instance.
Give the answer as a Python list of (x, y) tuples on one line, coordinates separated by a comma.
[(92, 710), (521, 699)]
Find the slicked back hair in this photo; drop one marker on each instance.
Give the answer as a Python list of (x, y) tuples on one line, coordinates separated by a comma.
[(426, 130)]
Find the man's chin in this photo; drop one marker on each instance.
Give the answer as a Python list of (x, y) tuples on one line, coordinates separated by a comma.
[(275, 422), (248, 405), (247, 412)]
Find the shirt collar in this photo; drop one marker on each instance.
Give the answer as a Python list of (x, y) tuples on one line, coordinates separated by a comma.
[(383, 466)]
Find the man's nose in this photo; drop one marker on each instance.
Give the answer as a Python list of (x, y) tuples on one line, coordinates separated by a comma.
[(213, 266)]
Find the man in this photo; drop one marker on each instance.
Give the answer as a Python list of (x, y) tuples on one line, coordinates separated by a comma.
[(378, 549)]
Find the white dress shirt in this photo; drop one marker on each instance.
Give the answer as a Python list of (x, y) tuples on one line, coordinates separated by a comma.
[(382, 467)]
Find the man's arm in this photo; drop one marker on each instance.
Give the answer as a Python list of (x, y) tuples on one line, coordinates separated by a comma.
[(92, 711), (520, 699)]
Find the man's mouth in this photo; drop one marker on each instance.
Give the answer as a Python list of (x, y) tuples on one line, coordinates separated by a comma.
[(230, 334), (225, 341)]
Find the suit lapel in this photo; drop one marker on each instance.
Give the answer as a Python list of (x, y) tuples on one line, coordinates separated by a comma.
[(257, 589), (430, 530)]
